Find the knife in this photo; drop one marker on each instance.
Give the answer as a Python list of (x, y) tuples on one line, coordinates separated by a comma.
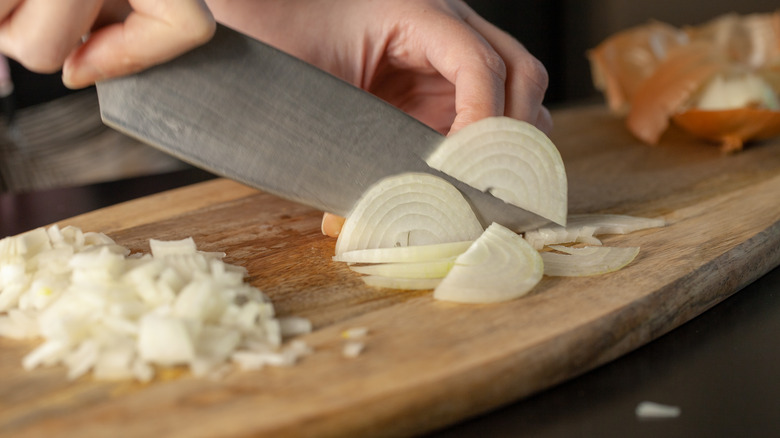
[(247, 111)]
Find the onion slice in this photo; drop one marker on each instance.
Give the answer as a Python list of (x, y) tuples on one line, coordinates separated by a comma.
[(510, 159), (430, 269), (590, 260), (401, 283), (404, 254), (583, 228), (407, 210), (499, 266)]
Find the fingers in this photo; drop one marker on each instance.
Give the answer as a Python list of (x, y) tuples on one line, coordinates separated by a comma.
[(40, 34), (526, 78), (154, 32)]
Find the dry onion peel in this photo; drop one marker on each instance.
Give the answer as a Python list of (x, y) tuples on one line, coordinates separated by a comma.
[(407, 210), (510, 159), (499, 266), (590, 260), (675, 81), (730, 128), (622, 62)]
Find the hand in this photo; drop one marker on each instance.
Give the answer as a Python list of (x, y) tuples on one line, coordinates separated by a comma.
[(435, 59), (123, 36)]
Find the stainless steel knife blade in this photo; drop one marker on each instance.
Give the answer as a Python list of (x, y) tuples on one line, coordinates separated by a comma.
[(244, 110)]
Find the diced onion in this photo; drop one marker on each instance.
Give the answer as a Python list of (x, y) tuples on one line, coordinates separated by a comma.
[(499, 266), (512, 160), (407, 210), (591, 260), (118, 315)]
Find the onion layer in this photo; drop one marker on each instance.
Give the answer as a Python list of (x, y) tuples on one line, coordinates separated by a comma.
[(499, 266), (583, 228), (512, 160), (407, 210), (590, 260)]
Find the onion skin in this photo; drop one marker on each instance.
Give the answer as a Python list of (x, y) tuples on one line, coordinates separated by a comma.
[(731, 128), (622, 62), (669, 88)]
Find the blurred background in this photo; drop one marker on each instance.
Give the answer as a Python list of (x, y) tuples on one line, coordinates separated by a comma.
[(559, 32), (53, 137)]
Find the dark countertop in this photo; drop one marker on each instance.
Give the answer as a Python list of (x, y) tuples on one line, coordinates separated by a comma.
[(720, 368)]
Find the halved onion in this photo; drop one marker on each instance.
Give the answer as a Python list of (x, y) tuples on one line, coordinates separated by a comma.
[(583, 228), (407, 210), (512, 160), (404, 254), (590, 260), (499, 266)]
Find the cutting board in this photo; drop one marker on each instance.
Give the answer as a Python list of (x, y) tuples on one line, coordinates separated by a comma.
[(427, 363)]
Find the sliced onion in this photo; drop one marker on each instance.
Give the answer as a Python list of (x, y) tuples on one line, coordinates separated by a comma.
[(510, 159), (431, 269), (583, 227), (407, 210), (404, 254), (401, 283), (499, 266), (590, 260)]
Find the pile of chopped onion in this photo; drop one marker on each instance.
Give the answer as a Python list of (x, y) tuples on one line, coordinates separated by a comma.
[(121, 315)]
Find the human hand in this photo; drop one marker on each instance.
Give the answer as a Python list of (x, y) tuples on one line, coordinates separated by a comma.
[(435, 59), (124, 36)]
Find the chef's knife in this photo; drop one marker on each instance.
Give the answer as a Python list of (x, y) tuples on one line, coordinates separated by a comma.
[(244, 110)]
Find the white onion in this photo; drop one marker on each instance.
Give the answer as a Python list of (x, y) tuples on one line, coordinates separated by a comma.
[(499, 266), (431, 269), (590, 260), (407, 210), (583, 227), (401, 283), (510, 159), (404, 254), (118, 315)]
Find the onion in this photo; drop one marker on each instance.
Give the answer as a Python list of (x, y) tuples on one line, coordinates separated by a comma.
[(730, 128), (99, 308), (665, 79), (401, 283), (404, 254), (584, 227), (431, 269), (622, 62), (499, 266), (407, 210), (685, 70), (512, 160), (590, 260)]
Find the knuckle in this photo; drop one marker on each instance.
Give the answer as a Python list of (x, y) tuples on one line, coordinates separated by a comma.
[(40, 56), (535, 72)]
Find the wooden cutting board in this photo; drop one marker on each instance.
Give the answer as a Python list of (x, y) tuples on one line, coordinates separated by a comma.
[(427, 363)]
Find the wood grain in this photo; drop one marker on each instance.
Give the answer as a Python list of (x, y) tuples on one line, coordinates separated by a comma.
[(428, 363)]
